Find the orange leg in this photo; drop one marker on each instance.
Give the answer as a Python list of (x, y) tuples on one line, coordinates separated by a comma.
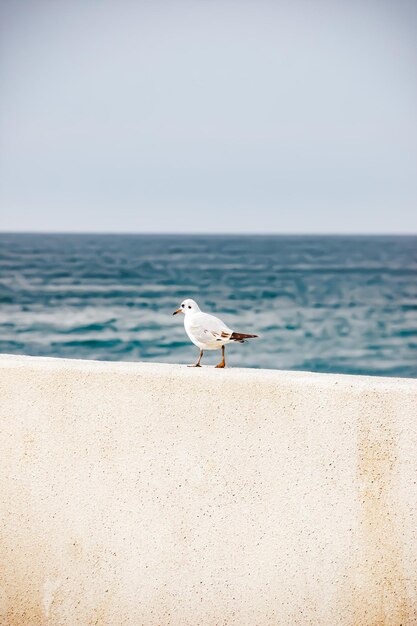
[(198, 362), (222, 362)]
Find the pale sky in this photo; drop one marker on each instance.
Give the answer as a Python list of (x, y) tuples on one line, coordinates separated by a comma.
[(208, 116)]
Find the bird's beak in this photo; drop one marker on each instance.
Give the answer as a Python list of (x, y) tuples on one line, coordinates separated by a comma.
[(177, 311)]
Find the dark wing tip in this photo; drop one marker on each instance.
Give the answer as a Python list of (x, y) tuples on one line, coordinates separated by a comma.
[(241, 336)]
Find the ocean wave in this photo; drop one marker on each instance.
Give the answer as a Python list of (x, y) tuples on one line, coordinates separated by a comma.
[(318, 303)]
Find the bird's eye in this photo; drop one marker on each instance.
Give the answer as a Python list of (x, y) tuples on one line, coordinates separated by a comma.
[(189, 307), (182, 305)]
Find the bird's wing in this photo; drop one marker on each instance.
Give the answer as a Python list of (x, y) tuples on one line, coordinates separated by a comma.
[(207, 327)]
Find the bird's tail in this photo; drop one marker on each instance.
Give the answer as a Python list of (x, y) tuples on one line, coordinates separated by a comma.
[(241, 337)]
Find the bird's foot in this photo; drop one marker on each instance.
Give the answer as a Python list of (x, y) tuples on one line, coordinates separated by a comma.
[(196, 365), (221, 365)]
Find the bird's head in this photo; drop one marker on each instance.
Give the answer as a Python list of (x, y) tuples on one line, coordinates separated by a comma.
[(187, 307)]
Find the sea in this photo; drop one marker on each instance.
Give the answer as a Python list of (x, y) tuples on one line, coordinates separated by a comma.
[(343, 304)]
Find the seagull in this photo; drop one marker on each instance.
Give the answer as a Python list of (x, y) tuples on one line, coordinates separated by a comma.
[(206, 331)]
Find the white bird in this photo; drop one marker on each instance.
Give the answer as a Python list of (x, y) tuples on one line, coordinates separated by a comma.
[(206, 331)]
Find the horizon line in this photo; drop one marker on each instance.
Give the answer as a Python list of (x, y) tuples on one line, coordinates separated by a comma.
[(209, 234)]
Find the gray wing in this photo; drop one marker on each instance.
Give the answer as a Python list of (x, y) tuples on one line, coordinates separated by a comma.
[(207, 327)]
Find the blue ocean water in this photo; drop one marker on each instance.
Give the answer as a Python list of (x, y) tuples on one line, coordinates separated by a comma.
[(325, 304)]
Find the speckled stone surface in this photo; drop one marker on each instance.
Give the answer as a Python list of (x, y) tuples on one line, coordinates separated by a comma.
[(135, 493)]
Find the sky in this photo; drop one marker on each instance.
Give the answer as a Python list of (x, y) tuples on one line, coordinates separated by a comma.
[(208, 116)]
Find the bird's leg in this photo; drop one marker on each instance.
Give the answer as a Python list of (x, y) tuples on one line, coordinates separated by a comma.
[(198, 362), (223, 362)]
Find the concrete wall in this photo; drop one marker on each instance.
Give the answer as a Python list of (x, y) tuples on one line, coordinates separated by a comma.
[(156, 494)]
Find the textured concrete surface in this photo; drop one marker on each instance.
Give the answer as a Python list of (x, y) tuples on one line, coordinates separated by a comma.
[(157, 494)]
